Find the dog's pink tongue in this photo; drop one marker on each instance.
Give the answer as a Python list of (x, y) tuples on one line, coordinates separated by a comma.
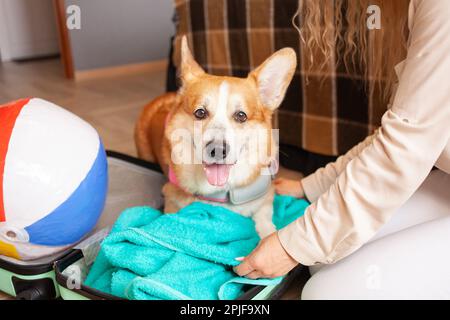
[(217, 174)]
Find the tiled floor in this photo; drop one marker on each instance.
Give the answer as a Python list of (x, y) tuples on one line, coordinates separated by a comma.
[(111, 104)]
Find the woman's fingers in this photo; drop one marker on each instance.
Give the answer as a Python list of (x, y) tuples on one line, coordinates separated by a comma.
[(289, 187), (254, 275), (268, 260), (280, 186), (244, 268), (278, 182)]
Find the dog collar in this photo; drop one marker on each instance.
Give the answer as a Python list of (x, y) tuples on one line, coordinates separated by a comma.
[(240, 195)]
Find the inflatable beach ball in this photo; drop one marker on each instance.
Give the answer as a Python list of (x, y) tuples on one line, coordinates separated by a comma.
[(53, 178)]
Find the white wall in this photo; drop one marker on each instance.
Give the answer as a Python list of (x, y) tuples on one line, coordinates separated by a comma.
[(27, 29), (4, 43), (119, 32)]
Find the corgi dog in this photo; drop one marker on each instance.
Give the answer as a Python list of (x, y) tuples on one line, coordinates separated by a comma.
[(213, 138)]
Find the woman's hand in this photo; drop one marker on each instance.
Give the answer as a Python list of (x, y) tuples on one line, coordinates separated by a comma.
[(289, 187), (268, 260)]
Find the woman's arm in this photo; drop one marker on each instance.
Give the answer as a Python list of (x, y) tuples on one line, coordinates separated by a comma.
[(317, 183), (320, 181), (389, 170)]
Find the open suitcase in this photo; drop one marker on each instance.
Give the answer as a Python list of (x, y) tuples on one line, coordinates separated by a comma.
[(132, 182), (29, 280)]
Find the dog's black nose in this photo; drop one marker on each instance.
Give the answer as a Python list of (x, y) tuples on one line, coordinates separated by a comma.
[(217, 151)]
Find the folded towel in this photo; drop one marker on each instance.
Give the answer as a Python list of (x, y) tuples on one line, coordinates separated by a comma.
[(187, 255)]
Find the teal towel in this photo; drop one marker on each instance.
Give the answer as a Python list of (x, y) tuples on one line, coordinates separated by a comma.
[(187, 255)]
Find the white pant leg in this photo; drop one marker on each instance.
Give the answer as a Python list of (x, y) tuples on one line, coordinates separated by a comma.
[(431, 201), (413, 249)]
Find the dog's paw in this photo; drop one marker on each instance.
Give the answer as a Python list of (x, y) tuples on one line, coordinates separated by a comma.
[(265, 228)]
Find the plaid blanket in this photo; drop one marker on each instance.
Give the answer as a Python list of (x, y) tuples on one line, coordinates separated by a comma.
[(324, 112)]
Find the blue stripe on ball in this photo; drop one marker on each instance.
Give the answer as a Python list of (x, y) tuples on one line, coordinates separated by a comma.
[(79, 214)]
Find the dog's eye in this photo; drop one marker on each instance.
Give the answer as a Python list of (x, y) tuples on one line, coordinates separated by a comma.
[(200, 114), (240, 116)]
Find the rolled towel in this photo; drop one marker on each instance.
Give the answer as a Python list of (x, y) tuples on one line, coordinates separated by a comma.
[(187, 255)]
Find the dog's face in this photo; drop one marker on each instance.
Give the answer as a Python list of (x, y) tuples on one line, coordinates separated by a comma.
[(220, 136)]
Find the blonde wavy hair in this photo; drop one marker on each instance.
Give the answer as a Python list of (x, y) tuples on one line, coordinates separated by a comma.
[(340, 26)]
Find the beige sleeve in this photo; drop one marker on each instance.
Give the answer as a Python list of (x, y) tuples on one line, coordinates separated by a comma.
[(389, 170), (320, 181)]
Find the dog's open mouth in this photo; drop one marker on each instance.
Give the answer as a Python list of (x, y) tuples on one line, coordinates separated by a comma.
[(217, 174)]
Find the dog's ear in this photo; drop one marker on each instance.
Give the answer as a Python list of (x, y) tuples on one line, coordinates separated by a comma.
[(189, 67), (273, 77)]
